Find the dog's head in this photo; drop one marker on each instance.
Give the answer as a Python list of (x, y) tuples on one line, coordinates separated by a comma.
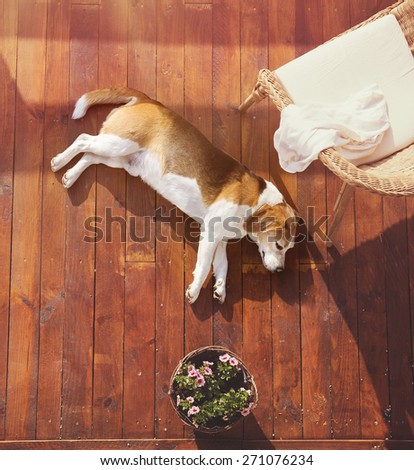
[(273, 229)]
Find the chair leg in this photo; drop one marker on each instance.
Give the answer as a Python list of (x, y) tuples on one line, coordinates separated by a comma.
[(341, 203), (249, 101)]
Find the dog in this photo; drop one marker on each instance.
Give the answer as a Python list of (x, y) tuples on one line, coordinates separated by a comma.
[(151, 141)]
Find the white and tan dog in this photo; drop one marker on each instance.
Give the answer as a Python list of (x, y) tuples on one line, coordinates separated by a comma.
[(173, 157)]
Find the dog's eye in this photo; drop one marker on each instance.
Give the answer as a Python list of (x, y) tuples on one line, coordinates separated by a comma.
[(278, 246)]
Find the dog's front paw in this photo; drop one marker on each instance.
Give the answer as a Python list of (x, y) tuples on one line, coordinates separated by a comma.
[(219, 291), (192, 294)]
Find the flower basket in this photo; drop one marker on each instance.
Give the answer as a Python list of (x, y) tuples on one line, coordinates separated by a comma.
[(211, 389)]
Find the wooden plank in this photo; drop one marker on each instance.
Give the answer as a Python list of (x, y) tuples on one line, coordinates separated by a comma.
[(228, 317), (257, 341), (281, 51), (85, 2), (254, 56), (397, 301), (53, 225), (169, 245), (25, 272), (313, 278), (287, 395), (228, 320), (207, 444), (139, 347), (372, 328), (400, 337), (312, 183), (139, 351), (315, 354), (287, 361), (345, 419), (140, 198), (410, 226), (197, 110), (257, 348), (80, 255), (110, 256), (8, 58), (197, 2)]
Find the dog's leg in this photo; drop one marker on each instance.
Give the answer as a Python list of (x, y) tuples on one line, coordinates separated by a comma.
[(205, 254), (220, 265), (104, 145), (87, 160), (78, 146)]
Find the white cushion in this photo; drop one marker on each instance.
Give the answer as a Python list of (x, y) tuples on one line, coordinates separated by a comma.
[(375, 53)]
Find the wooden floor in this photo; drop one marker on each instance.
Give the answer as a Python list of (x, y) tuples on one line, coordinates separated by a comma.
[(91, 331)]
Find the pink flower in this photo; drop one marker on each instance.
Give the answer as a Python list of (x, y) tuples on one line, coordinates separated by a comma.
[(190, 399), (193, 410), (192, 371), (224, 357), (245, 412), (200, 381), (207, 371), (233, 361)]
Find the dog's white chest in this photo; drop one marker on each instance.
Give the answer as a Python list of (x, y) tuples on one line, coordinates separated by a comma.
[(181, 191)]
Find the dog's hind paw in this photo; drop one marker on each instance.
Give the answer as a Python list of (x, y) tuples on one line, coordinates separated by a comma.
[(219, 291), (55, 164)]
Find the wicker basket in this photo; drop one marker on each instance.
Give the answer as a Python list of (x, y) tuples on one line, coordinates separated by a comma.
[(211, 353)]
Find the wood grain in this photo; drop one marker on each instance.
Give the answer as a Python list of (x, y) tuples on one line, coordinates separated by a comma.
[(140, 198), (228, 319), (139, 352), (110, 255), (198, 101), (8, 70), (372, 329), (27, 200), (257, 347), (80, 255), (254, 56), (52, 307), (169, 245), (90, 332), (345, 418), (287, 386), (209, 444), (315, 341), (397, 301)]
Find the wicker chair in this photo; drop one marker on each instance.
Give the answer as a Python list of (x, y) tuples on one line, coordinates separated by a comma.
[(392, 176)]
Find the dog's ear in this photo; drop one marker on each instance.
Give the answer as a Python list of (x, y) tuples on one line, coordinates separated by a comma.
[(266, 218)]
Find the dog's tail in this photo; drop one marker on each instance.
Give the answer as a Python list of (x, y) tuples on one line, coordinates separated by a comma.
[(126, 96)]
